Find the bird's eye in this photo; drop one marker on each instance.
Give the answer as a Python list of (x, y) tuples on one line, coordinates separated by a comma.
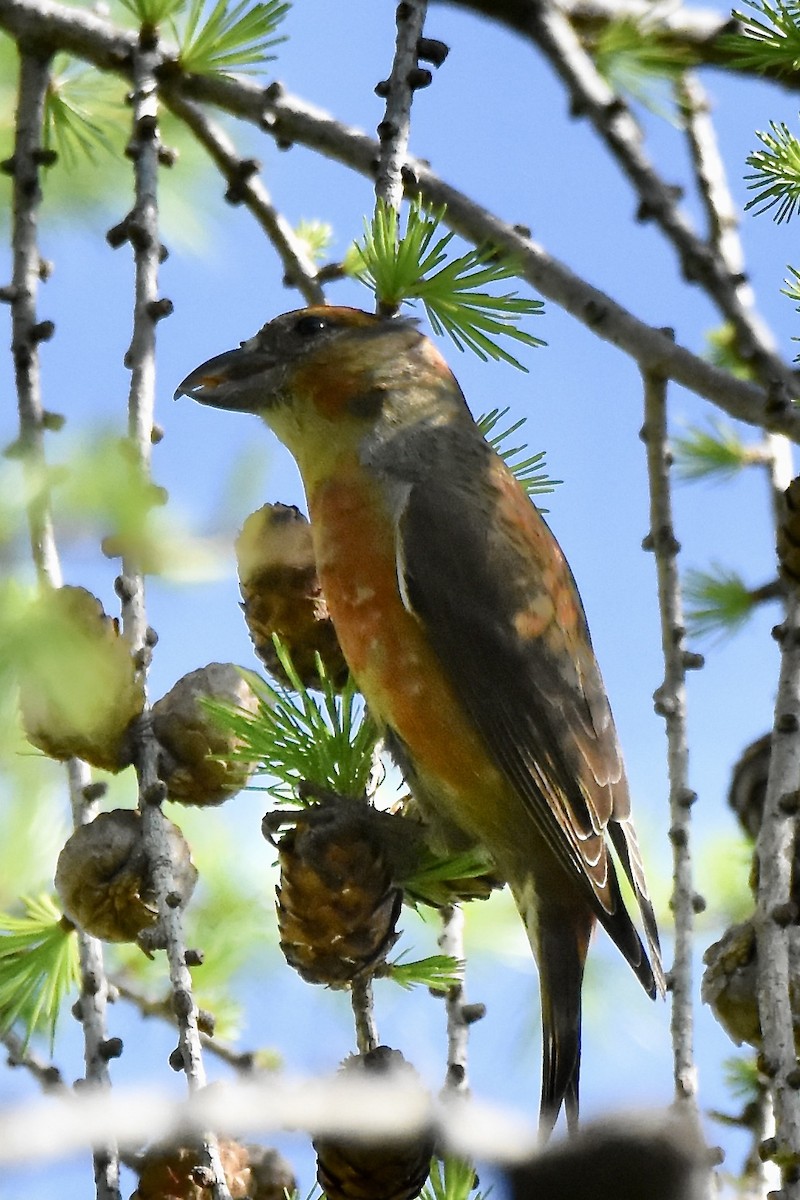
[(309, 326)]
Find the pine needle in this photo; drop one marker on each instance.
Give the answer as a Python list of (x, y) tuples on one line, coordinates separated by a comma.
[(415, 267), (295, 737), (39, 967)]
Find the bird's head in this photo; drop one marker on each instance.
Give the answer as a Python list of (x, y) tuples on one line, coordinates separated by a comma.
[(324, 378)]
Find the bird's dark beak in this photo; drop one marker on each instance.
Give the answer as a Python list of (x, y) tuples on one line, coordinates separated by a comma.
[(239, 380)]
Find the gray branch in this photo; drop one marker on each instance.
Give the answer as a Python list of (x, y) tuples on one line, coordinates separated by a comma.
[(460, 1014), (670, 702), (144, 149), (288, 118), (777, 936), (363, 1005), (613, 122), (245, 186), (712, 183), (27, 333), (395, 127), (698, 32)]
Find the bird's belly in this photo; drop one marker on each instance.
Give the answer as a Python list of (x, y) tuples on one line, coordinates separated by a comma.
[(403, 682)]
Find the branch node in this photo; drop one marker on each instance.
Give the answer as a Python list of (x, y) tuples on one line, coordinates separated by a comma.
[(789, 803), (595, 313), (110, 1048), (432, 50), (53, 422), (94, 791), (42, 331), (785, 914), (418, 78), (158, 309), (386, 130), (124, 588), (206, 1022), (155, 793), (168, 156), (678, 836), (778, 399), (44, 158), (182, 1003)]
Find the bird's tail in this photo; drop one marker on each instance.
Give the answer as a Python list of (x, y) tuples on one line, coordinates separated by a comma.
[(559, 937)]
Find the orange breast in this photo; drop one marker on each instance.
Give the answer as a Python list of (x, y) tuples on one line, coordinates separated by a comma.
[(385, 646)]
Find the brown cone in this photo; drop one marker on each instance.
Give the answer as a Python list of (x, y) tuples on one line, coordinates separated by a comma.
[(748, 787), (788, 544), (79, 688), (337, 902), (281, 594), (358, 1170), (194, 760), (103, 876), (730, 983), (175, 1173), (747, 795)]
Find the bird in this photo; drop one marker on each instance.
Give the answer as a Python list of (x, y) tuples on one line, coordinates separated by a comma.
[(461, 622)]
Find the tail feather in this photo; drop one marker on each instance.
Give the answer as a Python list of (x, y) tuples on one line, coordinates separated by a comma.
[(561, 1053), (559, 937)]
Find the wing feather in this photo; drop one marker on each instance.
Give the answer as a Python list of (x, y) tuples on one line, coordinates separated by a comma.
[(501, 610)]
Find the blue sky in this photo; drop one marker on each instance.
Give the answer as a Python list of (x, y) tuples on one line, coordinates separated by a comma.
[(495, 124)]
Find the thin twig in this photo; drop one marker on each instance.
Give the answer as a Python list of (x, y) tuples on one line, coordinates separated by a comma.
[(460, 1015), (697, 33), (615, 125), (289, 118), (670, 701), (27, 334), (394, 129), (162, 1008), (363, 1005), (26, 331), (144, 150), (777, 936), (245, 186), (47, 1074), (712, 182), (772, 891)]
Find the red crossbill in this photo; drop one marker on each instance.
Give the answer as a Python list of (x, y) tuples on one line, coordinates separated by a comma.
[(460, 620)]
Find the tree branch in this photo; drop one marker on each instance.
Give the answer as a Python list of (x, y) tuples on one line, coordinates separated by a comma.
[(613, 122), (27, 333), (288, 118), (777, 935), (245, 186), (460, 1015), (697, 32), (394, 129), (144, 149), (670, 702)]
